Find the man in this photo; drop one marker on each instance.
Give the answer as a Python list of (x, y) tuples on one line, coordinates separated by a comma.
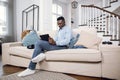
[(62, 39)]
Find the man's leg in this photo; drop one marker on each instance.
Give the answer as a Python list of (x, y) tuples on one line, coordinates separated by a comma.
[(41, 56), (38, 50), (39, 47)]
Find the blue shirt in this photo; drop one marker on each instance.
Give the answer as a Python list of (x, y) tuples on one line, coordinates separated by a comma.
[(63, 36)]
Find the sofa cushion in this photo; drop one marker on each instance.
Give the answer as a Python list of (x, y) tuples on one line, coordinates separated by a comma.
[(86, 32), (21, 51), (85, 55), (88, 40), (87, 29)]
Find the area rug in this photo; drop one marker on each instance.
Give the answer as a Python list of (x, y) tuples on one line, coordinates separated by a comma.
[(39, 75)]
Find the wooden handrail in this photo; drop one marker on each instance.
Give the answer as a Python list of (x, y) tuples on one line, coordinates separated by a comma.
[(101, 9)]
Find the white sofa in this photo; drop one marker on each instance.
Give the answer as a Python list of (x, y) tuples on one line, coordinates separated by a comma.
[(96, 61)]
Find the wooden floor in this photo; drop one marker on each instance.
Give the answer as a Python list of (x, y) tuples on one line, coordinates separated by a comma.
[(6, 70)]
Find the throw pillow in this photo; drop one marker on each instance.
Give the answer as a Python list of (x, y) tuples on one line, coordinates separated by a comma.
[(30, 38), (73, 40), (78, 46), (89, 40)]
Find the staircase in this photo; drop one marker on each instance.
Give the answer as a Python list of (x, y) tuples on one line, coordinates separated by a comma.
[(107, 3), (104, 21)]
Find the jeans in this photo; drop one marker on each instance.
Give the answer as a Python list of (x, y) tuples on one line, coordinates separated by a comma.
[(78, 46), (40, 47)]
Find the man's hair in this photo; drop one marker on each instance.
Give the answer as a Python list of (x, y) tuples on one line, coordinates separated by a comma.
[(60, 18)]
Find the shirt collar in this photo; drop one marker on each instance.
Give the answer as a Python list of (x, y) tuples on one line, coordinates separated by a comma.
[(62, 27)]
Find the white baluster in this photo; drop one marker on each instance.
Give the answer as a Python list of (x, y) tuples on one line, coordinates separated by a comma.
[(106, 24), (96, 15), (82, 15), (109, 24), (113, 27), (93, 14), (100, 20), (90, 16), (118, 27), (97, 18), (85, 15), (104, 21), (83, 18)]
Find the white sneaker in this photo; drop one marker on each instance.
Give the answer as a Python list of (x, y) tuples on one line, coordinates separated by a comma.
[(26, 72), (38, 58)]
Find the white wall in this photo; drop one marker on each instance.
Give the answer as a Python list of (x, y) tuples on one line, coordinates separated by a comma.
[(66, 10), (19, 6), (68, 15), (45, 14), (75, 13)]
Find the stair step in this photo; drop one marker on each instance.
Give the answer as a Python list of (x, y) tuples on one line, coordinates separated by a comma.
[(115, 39), (108, 35), (83, 25), (107, 42), (115, 42), (100, 31), (114, 1), (107, 7)]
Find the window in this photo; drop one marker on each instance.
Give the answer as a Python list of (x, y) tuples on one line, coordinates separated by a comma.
[(3, 25), (56, 12)]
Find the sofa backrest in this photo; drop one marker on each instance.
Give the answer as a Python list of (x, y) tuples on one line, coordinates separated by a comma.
[(87, 29), (88, 37)]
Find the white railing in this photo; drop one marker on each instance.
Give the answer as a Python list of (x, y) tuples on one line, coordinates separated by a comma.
[(103, 20)]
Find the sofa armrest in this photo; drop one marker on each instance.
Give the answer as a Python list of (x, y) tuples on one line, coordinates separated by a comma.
[(5, 51), (110, 61), (11, 44)]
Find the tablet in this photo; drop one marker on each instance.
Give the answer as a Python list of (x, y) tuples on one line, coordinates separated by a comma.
[(44, 37)]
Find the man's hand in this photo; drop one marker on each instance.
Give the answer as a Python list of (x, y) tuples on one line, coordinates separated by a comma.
[(51, 41)]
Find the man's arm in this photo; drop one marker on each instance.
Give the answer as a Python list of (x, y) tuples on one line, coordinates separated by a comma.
[(51, 41)]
